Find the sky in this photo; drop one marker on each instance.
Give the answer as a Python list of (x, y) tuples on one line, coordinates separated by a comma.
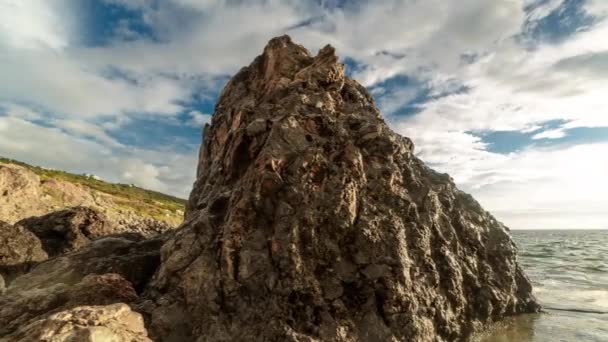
[(507, 96)]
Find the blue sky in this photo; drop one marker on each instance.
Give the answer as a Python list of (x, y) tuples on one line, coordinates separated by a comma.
[(508, 96)]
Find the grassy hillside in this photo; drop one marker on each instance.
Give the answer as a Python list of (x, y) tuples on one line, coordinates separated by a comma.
[(144, 202)]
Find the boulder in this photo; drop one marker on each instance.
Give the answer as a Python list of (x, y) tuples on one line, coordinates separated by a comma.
[(106, 271), (19, 192), (311, 220), (110, 323), (68, 230), (19, 250), (17, 309), (23, 194), (128, 255)]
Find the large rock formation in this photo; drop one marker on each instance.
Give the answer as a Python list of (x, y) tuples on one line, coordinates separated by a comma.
[(311, 220), (68, 230)]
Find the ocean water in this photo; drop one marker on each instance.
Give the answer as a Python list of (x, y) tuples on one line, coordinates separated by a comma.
[(569, 272)]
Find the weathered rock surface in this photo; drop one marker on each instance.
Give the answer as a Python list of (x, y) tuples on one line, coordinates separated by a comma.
[(128, 255), (68, 230), (111, 323), (20, 192), (94, 260), (19, 250), (311, 220), (106, 271), (18, 308)]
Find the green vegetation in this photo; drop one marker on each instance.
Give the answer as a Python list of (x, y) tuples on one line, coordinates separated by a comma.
[(144, 202)]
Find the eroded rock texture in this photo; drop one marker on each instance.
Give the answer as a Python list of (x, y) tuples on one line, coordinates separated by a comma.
[(134, 259), (107, 271), (20, 250), (110, 323), (2, 285), (68, 230), (19, 308), (311, 220)]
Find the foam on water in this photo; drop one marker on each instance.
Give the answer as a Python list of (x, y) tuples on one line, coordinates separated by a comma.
[(576, 299)]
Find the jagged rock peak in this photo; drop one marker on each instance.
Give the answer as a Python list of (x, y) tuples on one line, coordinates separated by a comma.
[(311, 220), (287, 73), (284, 65)]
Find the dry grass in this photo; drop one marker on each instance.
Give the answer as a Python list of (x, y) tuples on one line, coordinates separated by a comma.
[(144, 202)]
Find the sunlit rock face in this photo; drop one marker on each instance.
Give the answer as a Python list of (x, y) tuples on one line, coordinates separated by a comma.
[(114, 322), (310, 220), (20, 250)]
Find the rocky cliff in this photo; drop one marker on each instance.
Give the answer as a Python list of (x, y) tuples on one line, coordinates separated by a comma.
[(310, 220)]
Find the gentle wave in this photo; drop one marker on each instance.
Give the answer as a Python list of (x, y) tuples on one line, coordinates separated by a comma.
[(592, 300), (569, 272)]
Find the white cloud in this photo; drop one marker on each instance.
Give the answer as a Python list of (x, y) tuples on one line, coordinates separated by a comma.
[(35, 23), (550, 134), (597, 7), (216, 42), (85, 129), (512, 88), (568, 191), (516, 89), (64, 86), (18, 111), (162, 170), (537, 188), (199, 119), (216, 38)]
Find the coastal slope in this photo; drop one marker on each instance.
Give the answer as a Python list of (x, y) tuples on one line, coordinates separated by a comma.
[(27, 191)]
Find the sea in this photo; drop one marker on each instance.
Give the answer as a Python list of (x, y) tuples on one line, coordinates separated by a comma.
[(569, 272)]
